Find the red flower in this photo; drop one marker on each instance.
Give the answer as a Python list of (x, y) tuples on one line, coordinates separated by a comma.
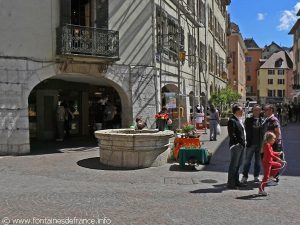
[(162, 116)]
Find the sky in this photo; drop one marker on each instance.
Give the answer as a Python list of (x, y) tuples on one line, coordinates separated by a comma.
[(265, 20)]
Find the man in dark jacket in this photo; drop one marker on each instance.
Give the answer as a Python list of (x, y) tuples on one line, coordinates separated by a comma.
[(237, 143), (254, 136)]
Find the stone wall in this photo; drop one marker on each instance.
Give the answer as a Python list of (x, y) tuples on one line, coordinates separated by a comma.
[(17, 78)]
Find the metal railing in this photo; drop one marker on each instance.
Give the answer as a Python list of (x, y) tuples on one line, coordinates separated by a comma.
[(80, 40)]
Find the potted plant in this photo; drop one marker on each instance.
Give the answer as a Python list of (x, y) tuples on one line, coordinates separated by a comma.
[(188, 129)]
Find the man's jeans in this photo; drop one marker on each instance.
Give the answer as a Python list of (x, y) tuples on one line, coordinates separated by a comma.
[(235, 163), (253, 149)]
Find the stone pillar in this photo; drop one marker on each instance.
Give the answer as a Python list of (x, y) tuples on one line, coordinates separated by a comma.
[(14, 125)]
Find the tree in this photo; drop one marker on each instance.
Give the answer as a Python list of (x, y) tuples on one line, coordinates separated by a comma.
[(224, 98)]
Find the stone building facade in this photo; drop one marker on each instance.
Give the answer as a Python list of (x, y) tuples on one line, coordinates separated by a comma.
[(295, 31), (85, 53), (237, 67), (253, 56)]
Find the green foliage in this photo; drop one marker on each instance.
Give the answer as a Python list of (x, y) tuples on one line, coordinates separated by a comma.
[(187, 127), (224, 98)]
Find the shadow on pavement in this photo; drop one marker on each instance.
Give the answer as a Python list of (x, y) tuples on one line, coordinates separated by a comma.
[(252, 197), (69, 145), (95, 164), (219, 188), (186, 168)]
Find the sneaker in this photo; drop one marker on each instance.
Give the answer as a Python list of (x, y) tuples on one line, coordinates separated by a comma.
[(256, 180), (262, 193), (244, 180), (271, 183)]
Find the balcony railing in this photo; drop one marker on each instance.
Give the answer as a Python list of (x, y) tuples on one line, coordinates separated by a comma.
[(89, 41)]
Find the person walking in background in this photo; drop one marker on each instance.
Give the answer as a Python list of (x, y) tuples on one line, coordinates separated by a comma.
[(109, 113), (271, 167), (254, 137), (60, 121), (213, 122), (237, 143), (68, 120), (99, 116)]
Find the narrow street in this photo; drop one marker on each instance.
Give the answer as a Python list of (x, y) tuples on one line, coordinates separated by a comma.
[(73, 184)]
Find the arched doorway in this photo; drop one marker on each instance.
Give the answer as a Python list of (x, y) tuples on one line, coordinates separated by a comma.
[(86, 96)]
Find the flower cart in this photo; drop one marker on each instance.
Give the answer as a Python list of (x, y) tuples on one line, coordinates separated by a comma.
[(188, 149)]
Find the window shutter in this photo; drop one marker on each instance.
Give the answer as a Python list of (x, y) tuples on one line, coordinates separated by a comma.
[(102, 14), (65, 12)]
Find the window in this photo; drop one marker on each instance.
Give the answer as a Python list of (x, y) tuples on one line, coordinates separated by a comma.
[(248, 78), (278, 63), (271, 72), (221, 67), (248, 59), (201, 11), (210, 19), (270, 81), (280, 81), (216, 26), (271, 93), (167, 35), (192, 50), (81, 12), (280, 93), (211, 59), (249, 89), (191, 5), (280, 72), (202, 55), (217, 66)]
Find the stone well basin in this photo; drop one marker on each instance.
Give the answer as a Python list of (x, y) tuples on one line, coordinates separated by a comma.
[(129, 148)]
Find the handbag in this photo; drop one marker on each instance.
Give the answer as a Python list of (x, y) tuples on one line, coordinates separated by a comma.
[(218, 129)]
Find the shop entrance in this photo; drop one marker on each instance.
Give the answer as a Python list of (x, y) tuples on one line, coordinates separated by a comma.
[(62, 109)]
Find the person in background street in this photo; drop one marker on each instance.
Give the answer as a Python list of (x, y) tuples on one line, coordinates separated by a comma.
[(116, 122), (199, 116), (254, 137), (109, 113), (290, 112), (99, 115), (60, 121), (271, 167), (237, 143), (213, 122), (68, 120)]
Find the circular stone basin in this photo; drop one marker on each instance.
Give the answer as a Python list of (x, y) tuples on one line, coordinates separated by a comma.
[(129, 148)]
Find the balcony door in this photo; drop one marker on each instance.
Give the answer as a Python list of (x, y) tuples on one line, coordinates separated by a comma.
[(89, 13)]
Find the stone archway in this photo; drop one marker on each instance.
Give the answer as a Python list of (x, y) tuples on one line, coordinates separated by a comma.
[(82, 81)]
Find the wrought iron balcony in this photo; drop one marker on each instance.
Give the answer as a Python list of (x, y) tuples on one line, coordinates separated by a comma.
[(89, 41)]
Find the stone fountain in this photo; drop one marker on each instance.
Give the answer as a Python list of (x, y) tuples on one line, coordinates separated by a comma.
[(132, 149)]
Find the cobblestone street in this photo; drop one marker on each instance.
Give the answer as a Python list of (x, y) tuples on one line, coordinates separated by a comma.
[(72, 184)]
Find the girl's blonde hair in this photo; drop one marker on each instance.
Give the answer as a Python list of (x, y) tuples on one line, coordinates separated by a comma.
[(267, 137)]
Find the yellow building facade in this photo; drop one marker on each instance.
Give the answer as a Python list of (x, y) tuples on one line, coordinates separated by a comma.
[(275, 78)]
